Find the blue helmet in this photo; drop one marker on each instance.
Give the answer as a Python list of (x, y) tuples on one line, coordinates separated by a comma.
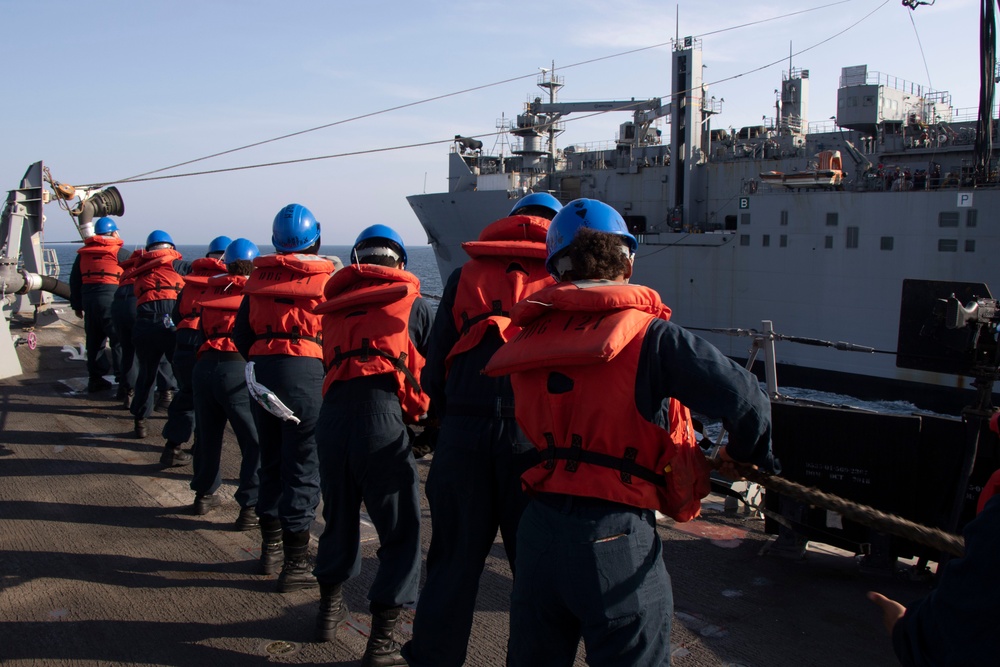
[(218, 244), (295, 228), (378, 232), (105, 226), (542, 199), (579, 213), (240, 249), (158, 236)]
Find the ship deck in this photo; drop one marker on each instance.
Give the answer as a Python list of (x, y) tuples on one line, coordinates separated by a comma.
[(101, 561)]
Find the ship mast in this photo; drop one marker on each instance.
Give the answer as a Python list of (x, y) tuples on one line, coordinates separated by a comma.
[(551, 83)]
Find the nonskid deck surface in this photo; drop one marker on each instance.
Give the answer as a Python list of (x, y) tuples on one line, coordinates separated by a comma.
[(101, 561)]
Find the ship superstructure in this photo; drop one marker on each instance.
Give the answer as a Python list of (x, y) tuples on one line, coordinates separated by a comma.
[(811, 225)]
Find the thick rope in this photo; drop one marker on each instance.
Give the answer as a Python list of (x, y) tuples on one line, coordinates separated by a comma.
[(863, 514)]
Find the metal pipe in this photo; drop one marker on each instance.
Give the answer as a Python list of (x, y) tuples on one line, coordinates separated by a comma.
[(33, 281)]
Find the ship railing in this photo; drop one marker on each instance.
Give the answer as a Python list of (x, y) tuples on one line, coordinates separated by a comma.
[(894, 82), (763, 344), (822, 126), (971, 114)]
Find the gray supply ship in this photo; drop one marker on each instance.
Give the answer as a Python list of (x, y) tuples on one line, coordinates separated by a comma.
[(814, 226)]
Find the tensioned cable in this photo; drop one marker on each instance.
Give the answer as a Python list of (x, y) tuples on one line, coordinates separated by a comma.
[(921, 47), (137, 177), (140, 178)]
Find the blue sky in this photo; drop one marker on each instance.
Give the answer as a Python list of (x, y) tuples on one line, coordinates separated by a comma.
[(105, 90)]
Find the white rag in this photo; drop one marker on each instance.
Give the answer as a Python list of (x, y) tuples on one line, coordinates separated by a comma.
[(266, 398)]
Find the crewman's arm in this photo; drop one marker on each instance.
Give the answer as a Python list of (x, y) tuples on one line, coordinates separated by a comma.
[(676, 363)]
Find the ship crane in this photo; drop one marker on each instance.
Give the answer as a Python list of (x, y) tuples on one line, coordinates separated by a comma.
[(644, 111)]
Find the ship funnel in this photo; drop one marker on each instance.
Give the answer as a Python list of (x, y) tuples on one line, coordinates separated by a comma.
[(104, 202)]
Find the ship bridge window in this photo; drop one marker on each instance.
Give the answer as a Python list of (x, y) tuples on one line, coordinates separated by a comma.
[(828, 242), (744, 239), (869, 100), (970, 217), (783, 241), (970, 245), (832, 219), (784, 217), (730, 223), (886, 243), (744, 218), (852, 237), (948, 219), (765, 240), (947, 245)]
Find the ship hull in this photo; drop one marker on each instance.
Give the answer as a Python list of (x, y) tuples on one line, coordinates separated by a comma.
[(814, 275)]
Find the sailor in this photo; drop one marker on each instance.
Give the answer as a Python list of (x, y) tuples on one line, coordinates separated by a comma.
[(601, 379), (123, 316), (277, 331), (180, 412), (220, 390), (158, 279), (93, 281), (474, 484), (375, 333), (956, 624)]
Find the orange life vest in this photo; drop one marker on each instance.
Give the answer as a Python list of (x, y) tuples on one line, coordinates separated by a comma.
[(154, 276), (366, 330), (128, 276), (573, 367), (195, 286), (99, 260), (218, 307), (283, 291), (507, 265)]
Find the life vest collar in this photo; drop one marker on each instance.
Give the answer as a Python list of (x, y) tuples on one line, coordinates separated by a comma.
[(589, 296), (513, 236)]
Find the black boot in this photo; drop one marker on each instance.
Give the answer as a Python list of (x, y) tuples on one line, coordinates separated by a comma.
[(247, 520), (163, 401), (296, 573), (271, 552), (333, 612), (382, 649), (174, 456)]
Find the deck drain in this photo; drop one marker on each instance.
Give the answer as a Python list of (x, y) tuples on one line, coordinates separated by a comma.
[(281, 648)]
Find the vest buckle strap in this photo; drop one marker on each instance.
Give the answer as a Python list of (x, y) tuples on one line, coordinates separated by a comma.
[(628, 460), (549, 453), (574, 454)]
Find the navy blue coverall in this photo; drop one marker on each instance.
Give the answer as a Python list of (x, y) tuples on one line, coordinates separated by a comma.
[(181, 411), (153, 338), (365, 455), (123, 315), (474, 487), (591, 568), (220, 394), (289, 467), (956, 625), (95, 301)]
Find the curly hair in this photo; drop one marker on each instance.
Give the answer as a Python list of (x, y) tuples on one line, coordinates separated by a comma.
[(595, 256), (241, 267)]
